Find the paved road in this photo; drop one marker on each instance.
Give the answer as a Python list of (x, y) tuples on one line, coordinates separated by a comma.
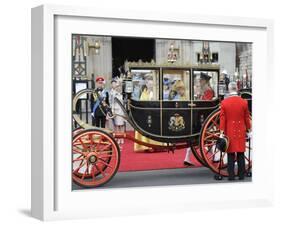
[(183, 176)]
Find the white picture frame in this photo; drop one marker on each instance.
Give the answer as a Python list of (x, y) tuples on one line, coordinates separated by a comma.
[(52, 197)]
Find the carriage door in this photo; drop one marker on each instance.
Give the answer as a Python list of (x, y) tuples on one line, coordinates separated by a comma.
[(175, 104), (204, 96)]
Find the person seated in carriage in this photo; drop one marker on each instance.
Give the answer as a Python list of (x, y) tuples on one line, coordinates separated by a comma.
[(180, 89), (137, 84), (147, 94), (166, 88), (206, 93)]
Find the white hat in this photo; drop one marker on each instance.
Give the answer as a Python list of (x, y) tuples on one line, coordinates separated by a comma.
[(224, 72)]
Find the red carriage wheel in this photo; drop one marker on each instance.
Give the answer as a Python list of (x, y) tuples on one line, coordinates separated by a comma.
[(214, 158), (197, 154), (96, 158), (76, 131)]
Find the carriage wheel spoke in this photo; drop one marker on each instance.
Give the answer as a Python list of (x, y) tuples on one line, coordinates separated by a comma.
[(78, 159), (100, 170), (105, 152), (99, 143), (105, 163), (82, 143), (79, 148), (86, 171), (79, 167), (214, 133), (93, 173), (215, 123), (211, 136), (213, 154), (210, 144), (81, 154), (105, 148), (105, 156), (78, 152), (91, 140)]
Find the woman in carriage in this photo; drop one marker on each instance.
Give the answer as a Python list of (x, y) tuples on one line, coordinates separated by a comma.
[(146, 94)]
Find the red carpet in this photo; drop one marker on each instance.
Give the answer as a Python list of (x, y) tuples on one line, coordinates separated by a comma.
[(138, 161)]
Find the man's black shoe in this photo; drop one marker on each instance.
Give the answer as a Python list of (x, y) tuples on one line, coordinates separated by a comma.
[(241, 178)]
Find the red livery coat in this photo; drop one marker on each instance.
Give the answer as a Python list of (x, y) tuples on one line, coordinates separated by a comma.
[(208, 94), (234, 121)]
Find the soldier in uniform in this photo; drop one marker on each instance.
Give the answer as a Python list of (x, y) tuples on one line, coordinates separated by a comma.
[(234, 123), (100, 96)]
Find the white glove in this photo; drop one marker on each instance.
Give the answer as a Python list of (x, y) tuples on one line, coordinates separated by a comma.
[(221, 135), (249, 135)]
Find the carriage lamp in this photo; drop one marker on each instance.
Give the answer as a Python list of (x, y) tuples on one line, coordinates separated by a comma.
[(173, 53), (95, 46), (128, 86), (205, 55)]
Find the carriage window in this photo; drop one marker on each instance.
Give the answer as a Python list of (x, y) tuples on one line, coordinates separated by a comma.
[(176, 85), (145, 84), (205, 85)]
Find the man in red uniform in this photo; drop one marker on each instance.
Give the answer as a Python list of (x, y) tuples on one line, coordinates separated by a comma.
[(234, 123)]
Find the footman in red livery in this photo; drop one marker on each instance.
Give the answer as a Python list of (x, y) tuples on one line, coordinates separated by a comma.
[(234, 123)]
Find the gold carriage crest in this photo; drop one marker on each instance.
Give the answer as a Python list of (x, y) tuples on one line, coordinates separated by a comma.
[(176, 123)]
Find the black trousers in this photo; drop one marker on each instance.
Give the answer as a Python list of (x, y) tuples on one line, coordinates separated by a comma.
[(231, 163), (100, 121)]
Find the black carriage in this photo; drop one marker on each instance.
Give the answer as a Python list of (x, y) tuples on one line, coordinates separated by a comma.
[(177, 122)]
